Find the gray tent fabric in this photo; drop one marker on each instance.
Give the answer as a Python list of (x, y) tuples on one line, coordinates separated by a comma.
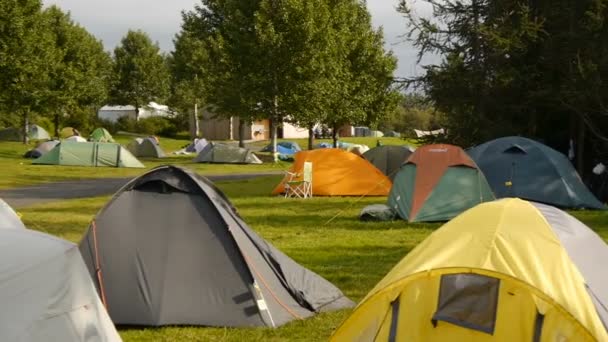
[(377, 212), (586, 249), (41, 149), (34, 132), (146, 148), (524, 168), (226, 154), (9, 218), (388, 159), (172, 250)]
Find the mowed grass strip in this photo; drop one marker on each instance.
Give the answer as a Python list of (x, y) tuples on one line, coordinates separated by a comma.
[(16, 171), (353, 255)]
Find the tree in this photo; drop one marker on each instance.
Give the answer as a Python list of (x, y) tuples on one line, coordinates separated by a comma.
[(80, 79), (141, 73), (26, 55), (362, 78)]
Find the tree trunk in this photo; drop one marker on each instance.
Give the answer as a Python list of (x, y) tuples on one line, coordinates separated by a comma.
[(334, 135), (57, 125), (26, 123), (197, 128), (580, 148), (311, 137), (136, 111), (273, 127), (241, 132)]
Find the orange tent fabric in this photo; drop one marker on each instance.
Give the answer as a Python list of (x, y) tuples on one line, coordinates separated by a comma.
[(340, 173)]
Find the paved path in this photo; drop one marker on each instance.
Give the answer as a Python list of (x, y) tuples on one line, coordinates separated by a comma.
[(49, 192)]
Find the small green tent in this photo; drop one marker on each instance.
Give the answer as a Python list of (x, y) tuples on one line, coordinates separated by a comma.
[(226, 154), (101, 135), (89, 154), (34, 132), (146, 148)]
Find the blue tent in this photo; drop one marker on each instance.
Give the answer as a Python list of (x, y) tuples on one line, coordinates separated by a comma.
[(284, 147), (521, 167)]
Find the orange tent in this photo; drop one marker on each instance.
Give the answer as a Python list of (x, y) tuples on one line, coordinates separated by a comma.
[(340, 173)]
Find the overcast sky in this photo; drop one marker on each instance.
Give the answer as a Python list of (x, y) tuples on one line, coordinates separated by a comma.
[(109, 20)]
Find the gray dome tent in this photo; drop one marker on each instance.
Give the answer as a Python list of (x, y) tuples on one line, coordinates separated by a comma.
[(388, 159), (146, 148), (521, 167), (170, 249), (34, 132), (226, 154)]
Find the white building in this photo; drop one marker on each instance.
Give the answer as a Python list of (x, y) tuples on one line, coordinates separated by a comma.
[(113, 113)]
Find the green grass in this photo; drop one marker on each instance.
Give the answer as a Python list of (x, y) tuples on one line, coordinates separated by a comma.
[(17, 171), (353, 255)]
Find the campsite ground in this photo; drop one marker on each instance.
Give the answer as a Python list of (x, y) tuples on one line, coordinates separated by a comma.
[(17, 171), (323, 234)]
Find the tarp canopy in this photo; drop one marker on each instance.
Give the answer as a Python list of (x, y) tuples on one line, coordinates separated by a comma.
[(339, 173), (437, 183), (35, 132), (388, 159), (521, 167), (89, 154), (146, 148), (226, 154), (101, 135), (174, 251), (41, 149), (47, 293), (506, 270), (9, 218)]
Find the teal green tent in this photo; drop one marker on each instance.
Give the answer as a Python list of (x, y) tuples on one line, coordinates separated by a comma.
[(437, 183), (524, 168), (101, 135), (34, 132), (89, 154)]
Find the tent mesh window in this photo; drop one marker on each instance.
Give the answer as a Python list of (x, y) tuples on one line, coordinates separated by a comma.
[(469, 301)]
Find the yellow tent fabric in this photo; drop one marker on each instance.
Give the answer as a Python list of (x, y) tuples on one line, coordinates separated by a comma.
[(509, 240), (66, 132), (340, 173)]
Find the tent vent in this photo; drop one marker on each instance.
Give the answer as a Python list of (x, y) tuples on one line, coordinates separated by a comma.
[(392, 337), (468, 300), (515, 149)]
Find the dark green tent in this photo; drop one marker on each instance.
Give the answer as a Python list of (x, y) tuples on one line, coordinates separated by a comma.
[(34, 132), (226, 154), (146, 148), (521, 167), (388, 159)]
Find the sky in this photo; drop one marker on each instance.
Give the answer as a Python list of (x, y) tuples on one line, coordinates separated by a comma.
[(109, 20)]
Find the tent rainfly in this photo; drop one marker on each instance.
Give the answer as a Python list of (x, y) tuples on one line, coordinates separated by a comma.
[(339, 173), (524, 168), (89, 154), (172, 250), (226, 154), (146, 148), (9, 218), (507, 270), (388, 159), (47, 293), (436, 183), (101, 135)]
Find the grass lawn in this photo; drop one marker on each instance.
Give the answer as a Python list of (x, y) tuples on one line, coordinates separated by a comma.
[(351, 254), (17, 171)]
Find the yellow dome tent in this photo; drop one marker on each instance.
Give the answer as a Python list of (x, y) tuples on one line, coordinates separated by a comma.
[(340, 173), (508, 270)]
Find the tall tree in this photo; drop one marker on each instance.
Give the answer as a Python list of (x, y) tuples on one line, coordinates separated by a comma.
[(80, 80), (26, 54), (141, 73)]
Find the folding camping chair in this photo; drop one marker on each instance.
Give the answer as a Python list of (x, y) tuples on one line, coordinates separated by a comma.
[(299, 184)]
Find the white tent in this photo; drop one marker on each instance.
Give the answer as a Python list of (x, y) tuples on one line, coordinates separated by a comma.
[(9, 218), (76, 138), (47, 293)]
